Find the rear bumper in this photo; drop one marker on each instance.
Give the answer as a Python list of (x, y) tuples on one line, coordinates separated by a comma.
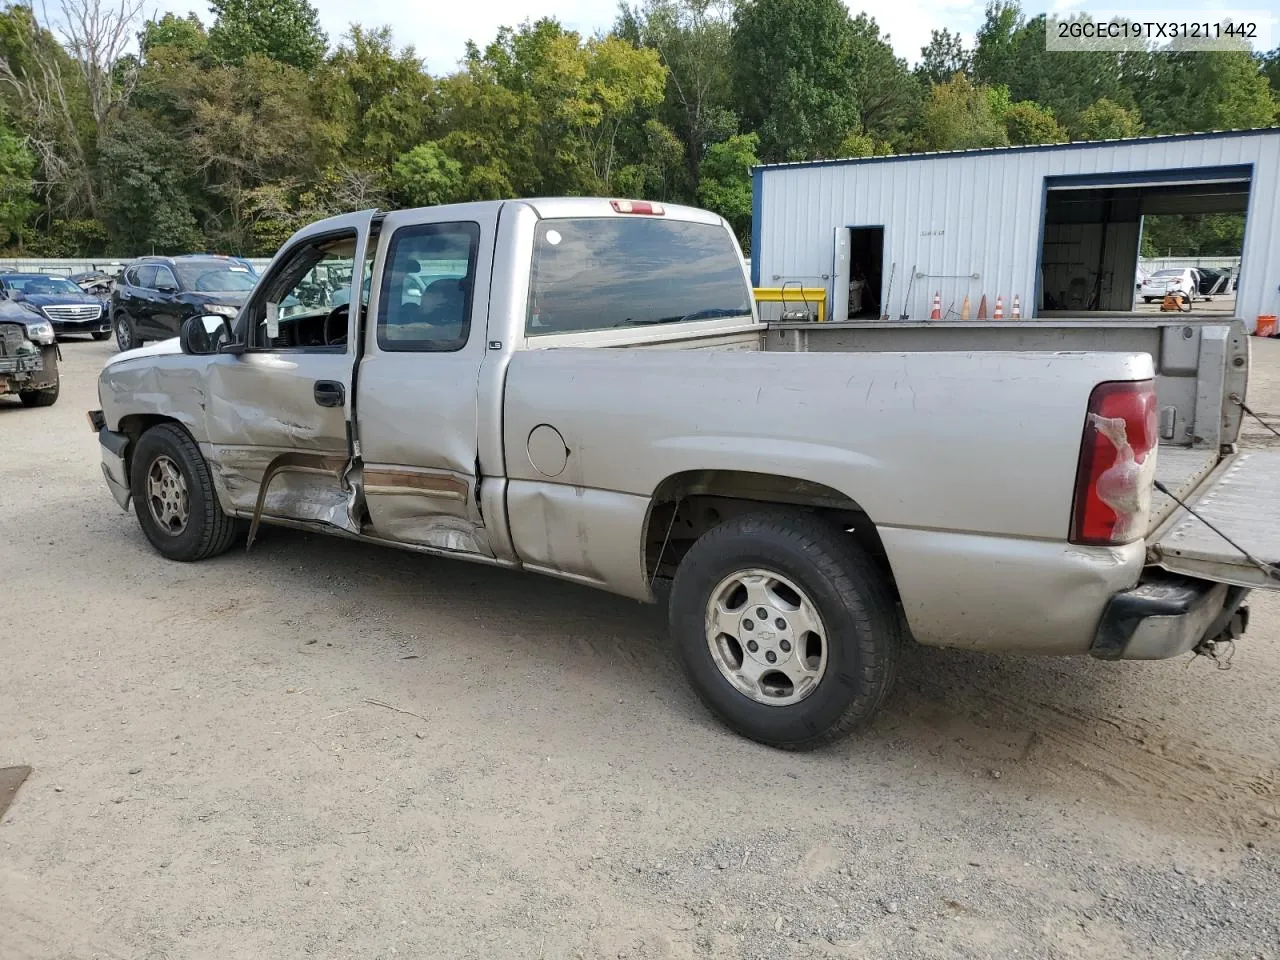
[(1166, 616), (115, 468)]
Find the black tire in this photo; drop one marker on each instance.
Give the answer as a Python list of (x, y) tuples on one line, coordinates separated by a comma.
[(1149, 299), (207, 531), (126, 335), (40, 398), (858, 614), (100, 334)]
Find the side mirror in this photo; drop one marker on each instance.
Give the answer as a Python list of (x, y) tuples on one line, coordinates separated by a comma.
[(204, 335), (166, 288)]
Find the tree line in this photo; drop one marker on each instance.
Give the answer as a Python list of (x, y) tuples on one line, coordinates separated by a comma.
[(119, 136)]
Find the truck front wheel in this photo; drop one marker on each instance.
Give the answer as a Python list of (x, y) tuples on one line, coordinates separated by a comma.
[(174, 499), (39, 398), (787, 630)]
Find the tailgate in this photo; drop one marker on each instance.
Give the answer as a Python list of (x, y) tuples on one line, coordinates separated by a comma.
[(1242, 499)]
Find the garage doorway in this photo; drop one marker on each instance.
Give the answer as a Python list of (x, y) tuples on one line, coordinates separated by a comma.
[(1100, 235), (859, 280)]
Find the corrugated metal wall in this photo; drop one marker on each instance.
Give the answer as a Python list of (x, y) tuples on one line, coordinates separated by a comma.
[(959, 214)]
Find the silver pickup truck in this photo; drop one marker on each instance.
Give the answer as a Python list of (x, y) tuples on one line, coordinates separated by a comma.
[(583, 388)]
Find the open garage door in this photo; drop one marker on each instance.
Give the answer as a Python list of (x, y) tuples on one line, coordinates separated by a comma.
[(1093, 237)]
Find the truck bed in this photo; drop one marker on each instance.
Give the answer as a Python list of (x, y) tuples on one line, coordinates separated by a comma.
[(1200, 365)]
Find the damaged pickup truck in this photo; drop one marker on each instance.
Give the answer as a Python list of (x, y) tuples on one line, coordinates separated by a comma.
[(583, 388), (28, 357)]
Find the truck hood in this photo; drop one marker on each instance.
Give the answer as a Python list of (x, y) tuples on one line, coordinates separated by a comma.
[(160, 348), (60, 299)]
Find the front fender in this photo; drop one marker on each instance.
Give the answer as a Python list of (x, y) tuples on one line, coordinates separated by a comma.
[(156, 381)]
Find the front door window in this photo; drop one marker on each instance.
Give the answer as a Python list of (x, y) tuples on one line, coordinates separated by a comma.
[(306, 304)]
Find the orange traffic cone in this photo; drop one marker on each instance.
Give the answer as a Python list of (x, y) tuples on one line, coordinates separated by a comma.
[(937, 307), (982, 308), (964, 308), (1016, 313), (999, 314)]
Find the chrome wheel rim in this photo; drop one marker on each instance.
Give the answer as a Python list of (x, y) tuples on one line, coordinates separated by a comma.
[(766, 637), (122, 333), (167, 496)]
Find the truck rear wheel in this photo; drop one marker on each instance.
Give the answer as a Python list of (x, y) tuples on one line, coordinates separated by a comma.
[(787, 630), (174, 499)]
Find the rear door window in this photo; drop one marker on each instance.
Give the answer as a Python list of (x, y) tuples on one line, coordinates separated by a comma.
[(424, 303), (145, 277), (606, 273), (164, 278)]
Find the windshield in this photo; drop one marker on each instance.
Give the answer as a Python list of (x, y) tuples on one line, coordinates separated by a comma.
[(1167, 273), (43, 285), (215, 277)]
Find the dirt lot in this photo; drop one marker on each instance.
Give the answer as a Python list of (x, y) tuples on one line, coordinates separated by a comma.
[(212, 779)]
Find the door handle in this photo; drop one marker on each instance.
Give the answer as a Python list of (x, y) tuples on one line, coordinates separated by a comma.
[(329, 393)]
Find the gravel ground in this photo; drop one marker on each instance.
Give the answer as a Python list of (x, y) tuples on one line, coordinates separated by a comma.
[(219, 773)]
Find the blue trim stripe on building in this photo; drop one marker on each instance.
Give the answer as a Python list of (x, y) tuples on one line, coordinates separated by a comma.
[(1237, 172), (757, 188), (1045, 147)]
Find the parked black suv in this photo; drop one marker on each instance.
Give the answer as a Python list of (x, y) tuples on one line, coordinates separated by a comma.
[(156, 294), (57, 300)]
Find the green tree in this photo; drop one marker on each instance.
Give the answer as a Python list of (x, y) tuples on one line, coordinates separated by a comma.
[(889, 95), (693, 38), (1184, 91), (16, 168), (570, 100), (859, 144), (1027, 122), (383, 96), (1105, 120), (66, 104), (995, 53), (943, 58), (795, 81), (724, 184), (1269, 67), (1193, 235), (1012, 52), (959, 115), (426, 176), (655, 164), (145, 205), (248, 127), (183, 33), (287, 31)]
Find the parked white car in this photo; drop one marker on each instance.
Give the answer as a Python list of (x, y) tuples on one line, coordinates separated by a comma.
[(1162, 282)]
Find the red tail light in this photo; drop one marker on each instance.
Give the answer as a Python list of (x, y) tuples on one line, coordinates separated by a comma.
[(1117, 464)]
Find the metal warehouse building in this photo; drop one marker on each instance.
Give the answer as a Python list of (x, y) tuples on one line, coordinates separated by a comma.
[(1059, 226)]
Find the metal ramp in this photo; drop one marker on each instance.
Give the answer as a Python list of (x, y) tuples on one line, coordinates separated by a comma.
[(1242, 499)]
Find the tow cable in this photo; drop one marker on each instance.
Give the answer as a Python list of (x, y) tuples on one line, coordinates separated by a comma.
[(1235, 398)]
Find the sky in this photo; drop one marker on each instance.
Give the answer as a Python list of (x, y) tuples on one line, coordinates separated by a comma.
[(439, 29)]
